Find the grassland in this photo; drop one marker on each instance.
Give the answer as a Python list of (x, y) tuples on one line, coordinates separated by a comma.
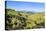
[(23, 20)]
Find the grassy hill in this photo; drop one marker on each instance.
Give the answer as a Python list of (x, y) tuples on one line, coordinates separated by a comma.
[(23, 20)]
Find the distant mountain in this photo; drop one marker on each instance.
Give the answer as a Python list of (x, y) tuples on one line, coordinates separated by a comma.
[(29, 12)]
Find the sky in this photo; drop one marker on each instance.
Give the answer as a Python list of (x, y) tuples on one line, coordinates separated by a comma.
[(28, 0), (26, 6)]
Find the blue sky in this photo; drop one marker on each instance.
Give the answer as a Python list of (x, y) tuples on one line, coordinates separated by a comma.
[(26, 6)]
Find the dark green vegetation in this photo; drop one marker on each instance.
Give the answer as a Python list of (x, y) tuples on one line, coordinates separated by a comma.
[(23, 20)]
